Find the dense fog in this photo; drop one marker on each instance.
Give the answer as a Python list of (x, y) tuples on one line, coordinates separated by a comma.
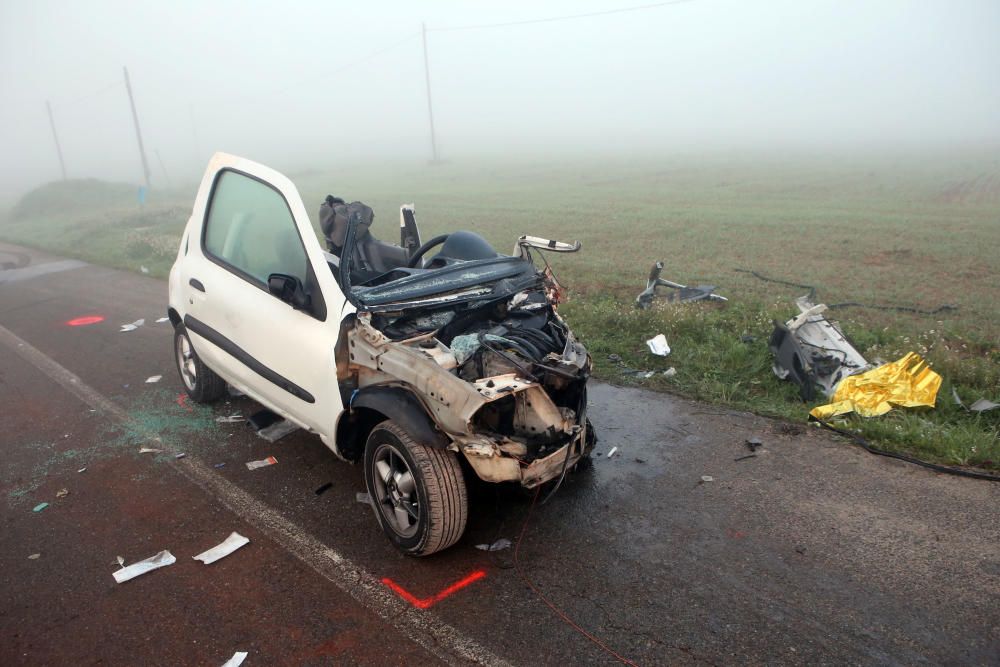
[(310, 84)]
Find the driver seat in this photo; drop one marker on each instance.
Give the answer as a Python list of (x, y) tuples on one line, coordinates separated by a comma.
[(372, 257)]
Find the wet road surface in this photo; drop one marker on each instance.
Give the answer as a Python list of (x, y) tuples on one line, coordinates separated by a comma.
[(813, 552)]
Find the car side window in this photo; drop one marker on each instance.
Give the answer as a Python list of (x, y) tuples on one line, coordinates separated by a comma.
[(250, 227)]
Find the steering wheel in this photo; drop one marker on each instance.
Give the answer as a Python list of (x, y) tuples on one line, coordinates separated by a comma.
[(422, 250)]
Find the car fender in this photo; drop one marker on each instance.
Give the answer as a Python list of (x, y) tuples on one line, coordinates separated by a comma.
[(403, 407)]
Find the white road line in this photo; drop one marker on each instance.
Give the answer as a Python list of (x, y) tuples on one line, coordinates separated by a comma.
[(421, 626)]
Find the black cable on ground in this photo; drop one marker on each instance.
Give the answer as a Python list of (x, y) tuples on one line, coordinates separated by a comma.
[(864, 444), (851, 304)]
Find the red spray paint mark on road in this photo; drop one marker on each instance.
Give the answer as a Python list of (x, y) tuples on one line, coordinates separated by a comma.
[(182, 400), (424, 603), (85, 320)]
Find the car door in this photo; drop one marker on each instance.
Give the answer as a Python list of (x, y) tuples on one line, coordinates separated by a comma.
[(249, 224)]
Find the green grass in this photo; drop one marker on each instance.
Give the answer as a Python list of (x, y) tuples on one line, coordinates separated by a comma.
[(919, 230)]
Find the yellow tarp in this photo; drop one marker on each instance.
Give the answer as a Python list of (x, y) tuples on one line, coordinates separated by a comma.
[(907, 383)]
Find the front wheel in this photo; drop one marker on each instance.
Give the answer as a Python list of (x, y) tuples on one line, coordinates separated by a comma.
[(418, 492)]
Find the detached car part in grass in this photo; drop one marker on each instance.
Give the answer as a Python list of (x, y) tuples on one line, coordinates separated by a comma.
[(680, 293), (405, 357)]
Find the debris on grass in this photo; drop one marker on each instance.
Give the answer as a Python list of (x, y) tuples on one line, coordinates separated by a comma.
[(263, 463), (228, 546), (143, 269), (62, 493), (133, 326), (39, 507), (219, 465), (658, 345), (180, 456), (278, 430), (153, 378), (84, 469), (324, 488), (753, 442), (681, 293), (982, 405), (149, 450), (134, 570), (499, 545), (236, 660), (670, 372)]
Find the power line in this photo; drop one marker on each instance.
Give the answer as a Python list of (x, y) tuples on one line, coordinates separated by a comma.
[(567, 17)]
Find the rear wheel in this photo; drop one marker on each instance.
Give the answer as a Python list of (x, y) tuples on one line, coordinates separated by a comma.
[(200, 381), (418, 492)]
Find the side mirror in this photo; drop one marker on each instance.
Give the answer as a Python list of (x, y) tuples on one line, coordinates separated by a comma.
[(289, 289)]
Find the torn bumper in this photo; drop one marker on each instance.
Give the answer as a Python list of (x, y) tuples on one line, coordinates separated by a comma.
[(492, 464)]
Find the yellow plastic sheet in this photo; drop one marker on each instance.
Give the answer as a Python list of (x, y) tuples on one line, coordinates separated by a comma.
[(907, 383)]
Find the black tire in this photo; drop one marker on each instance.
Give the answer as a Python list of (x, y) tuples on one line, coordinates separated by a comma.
[(440, 507), (203, 386)]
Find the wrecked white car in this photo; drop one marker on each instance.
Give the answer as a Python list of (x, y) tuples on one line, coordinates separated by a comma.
[(410, 357)]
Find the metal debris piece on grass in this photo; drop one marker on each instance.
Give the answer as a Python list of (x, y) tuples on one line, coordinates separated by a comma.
[(228, 546), (812, 351), (278, 430), (263, 463), (236, 660), (161, 559), (499, 545), (906, 383), (133, 326), (153, 378), (39, 507), (658, 345), (680, 293), (982, 405)]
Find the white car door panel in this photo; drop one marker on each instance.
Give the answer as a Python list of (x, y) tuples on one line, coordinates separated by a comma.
[(248, 223)]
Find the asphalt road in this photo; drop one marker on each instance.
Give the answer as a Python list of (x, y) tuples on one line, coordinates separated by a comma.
[(813, 552)]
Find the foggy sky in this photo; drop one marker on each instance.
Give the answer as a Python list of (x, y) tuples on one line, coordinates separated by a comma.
[(291, 83)]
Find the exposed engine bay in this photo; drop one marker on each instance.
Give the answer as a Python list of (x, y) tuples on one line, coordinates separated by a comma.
[(476, 337)]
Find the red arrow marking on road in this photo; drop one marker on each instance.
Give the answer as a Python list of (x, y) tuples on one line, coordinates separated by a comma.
[(424, 603)]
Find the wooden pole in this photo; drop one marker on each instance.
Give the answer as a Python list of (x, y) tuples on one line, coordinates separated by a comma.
[(430, 107), (138, 132), (52, 122)]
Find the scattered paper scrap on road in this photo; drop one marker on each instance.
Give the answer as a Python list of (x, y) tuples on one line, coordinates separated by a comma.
[(162, 319), (237, 659), (499, 545), (161, 559), (39, 507), (277, 430), (133, 326), (235, 418), (612, 452), (153, 378), (263, 463), (658, 345), (231, 544)]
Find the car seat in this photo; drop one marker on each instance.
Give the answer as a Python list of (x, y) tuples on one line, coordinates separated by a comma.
[(372, 257)]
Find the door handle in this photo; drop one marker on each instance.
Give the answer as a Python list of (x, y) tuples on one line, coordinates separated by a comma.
[(195, 283)]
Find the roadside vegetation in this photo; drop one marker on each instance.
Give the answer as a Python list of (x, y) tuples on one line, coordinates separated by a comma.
[(919, 231)]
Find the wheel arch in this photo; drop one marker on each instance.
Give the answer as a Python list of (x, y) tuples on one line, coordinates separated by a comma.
[(371, 405)]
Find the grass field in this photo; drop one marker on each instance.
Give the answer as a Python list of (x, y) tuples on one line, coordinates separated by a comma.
[(918, 230)]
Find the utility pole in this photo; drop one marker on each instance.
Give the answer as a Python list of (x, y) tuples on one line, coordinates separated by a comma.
[(430, 107), (52, 122), (138, 132)]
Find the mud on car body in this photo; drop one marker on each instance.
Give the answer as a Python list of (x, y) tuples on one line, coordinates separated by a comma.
[(403, 357)]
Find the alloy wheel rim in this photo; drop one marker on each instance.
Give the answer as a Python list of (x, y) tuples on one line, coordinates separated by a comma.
[(395, 491), (185, 362)]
